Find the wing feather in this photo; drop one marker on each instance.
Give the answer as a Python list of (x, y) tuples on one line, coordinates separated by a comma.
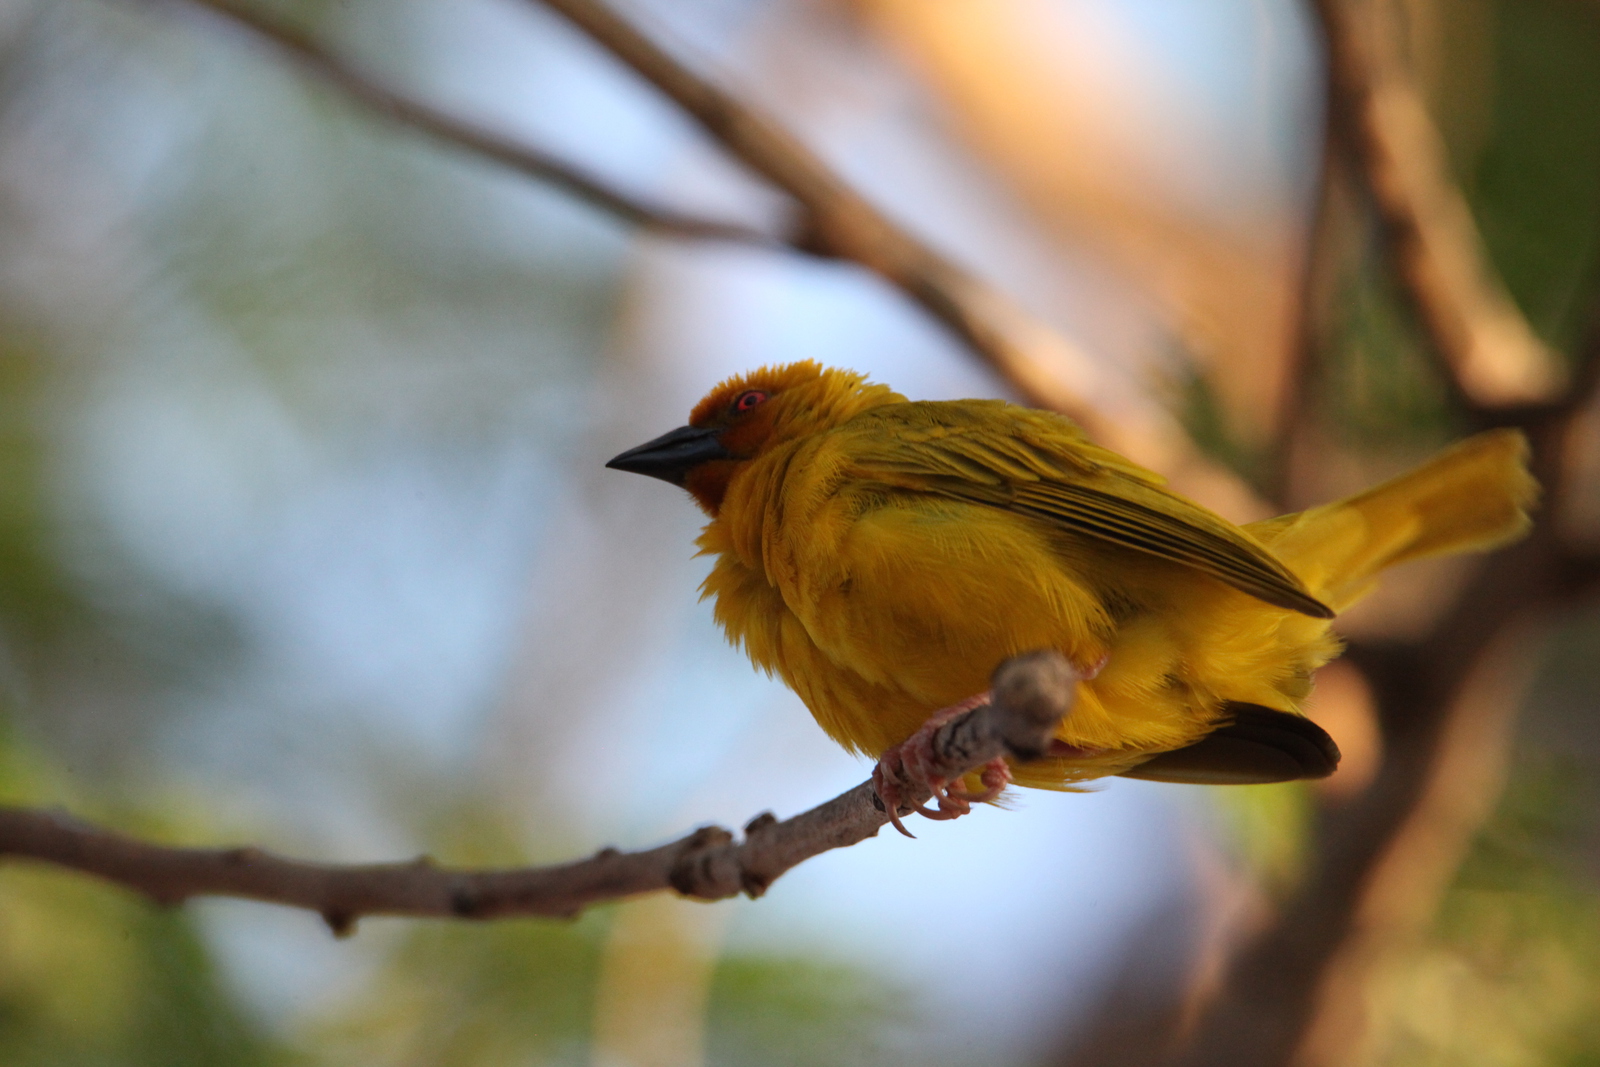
[(1038, 464)]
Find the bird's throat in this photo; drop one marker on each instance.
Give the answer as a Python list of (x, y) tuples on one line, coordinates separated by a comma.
[(708, 484)]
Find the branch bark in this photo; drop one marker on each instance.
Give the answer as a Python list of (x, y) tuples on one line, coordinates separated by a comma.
[(1491, 354), (406, 110), (1031, 695), (1042, 365), (1294, 421), (1044, 368)]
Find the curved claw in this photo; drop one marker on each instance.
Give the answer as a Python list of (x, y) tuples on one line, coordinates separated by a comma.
[(889, 796), (949, 808), (909, 761)]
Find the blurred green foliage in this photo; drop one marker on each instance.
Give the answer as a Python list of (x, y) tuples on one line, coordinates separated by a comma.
[(475, 996), (34, 600), (1200, 409), (523, 993), (91, 976), (1268, 827), (1535, 184), (1381, 391), (792, 1012), (1510, 974)]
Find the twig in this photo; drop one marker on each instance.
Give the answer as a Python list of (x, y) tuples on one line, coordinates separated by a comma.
[(1490, 352), (1042, 366), (839, 222), (1032, 693), (1585, 386), (1319, 271), (452, 129)]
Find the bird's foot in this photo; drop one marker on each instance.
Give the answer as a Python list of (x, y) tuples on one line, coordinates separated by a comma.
[(954, 798), (912, 762)]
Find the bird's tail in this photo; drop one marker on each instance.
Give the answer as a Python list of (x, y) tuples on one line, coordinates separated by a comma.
[(1471, 497)]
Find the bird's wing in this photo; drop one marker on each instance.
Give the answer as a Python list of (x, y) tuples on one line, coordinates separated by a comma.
[(1038, 464)]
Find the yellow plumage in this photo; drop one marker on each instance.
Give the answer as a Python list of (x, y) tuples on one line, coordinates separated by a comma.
[(883, 556)]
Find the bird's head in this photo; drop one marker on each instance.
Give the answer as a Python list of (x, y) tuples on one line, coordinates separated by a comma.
[(746, 417)]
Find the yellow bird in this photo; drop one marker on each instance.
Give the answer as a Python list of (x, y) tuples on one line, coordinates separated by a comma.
[(883, 556)]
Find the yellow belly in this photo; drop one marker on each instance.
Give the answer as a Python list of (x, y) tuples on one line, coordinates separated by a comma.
[(875, 638)]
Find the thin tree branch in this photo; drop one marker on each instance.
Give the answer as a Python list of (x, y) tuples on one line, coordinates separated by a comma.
[(1032, 693), (839, 222), (1042, 366), (393, 104), (1294, 413), (1585, 387), (1490, 353)]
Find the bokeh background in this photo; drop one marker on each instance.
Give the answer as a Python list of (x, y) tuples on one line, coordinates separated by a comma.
[(305, 539)]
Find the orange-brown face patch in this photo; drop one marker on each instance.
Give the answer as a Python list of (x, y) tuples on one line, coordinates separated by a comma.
[(748, 431), (716, 407)]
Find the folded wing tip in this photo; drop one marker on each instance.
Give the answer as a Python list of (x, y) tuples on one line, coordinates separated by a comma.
[(1259, 746), (1310, 605)]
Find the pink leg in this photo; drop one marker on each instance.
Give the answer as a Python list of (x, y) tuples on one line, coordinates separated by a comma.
[(910, 763)]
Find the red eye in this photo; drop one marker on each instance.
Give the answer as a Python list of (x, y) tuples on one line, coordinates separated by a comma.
[(748, 400)]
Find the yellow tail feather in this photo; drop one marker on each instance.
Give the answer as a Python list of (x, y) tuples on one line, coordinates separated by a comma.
[(1472, 497)]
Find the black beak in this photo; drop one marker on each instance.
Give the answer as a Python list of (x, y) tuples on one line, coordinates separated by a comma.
[(670, 456)]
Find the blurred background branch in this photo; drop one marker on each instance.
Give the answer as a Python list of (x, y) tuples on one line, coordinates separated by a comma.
[(839, 222), (1445, 699), (409, 111), (1044, 368), (1490, 353)]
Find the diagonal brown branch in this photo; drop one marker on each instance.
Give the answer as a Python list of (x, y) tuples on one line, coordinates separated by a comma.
[(453, 129), (842, 223), (1294, 428), (1032, 693), (1042, 366), (1489, 350), (1039, 363)]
